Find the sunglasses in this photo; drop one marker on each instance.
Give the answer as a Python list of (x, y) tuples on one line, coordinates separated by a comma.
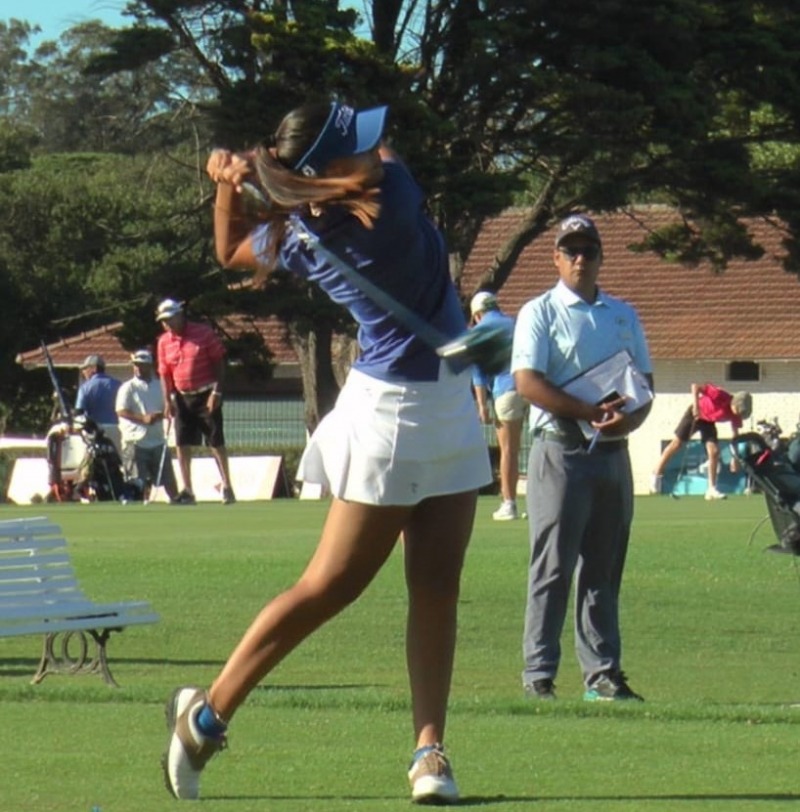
[(588, 252)]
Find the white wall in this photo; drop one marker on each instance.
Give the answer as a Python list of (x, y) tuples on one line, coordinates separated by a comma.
[(777, 394), (253, 478)]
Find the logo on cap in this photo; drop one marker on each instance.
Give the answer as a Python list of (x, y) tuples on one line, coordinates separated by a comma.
[(577, 224)]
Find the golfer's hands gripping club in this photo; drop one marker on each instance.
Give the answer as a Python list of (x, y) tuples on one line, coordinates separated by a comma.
[(233, 168)]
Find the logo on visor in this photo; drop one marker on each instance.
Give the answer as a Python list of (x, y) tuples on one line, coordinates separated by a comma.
[(344, 117)]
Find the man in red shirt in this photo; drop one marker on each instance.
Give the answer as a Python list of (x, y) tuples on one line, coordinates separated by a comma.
[(191, 364), (710, 405)]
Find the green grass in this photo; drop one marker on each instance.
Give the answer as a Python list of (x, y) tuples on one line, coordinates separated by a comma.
[(711, 633)]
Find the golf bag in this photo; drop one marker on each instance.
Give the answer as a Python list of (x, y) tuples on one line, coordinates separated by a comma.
[(83, 463), (772, 433), (773, 473)]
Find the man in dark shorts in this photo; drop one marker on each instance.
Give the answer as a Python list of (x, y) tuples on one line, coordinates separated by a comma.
[(191, 364), (710, 405)]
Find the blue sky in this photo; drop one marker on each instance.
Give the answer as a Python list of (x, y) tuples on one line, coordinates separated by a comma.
[(55, 16)]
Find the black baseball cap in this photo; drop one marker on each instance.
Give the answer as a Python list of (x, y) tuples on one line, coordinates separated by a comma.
[(577, 224)]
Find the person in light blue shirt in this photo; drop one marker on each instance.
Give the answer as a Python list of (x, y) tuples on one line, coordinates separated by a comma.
[(580, 493), (97, 397), (498, 403)]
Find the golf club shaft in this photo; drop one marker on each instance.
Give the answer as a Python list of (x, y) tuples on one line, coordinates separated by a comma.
[(681, 470), (157, 483), (63, 406), (416, 325)]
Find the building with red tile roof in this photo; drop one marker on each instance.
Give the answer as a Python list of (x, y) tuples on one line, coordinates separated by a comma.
[(701, 325), (69, 353)]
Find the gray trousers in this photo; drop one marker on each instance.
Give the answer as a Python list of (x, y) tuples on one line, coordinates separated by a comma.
[(144, 464), (580, 508)]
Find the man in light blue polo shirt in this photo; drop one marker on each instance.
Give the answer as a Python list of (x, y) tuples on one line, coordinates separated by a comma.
[(580, 494), (499, 394), (97, 397)]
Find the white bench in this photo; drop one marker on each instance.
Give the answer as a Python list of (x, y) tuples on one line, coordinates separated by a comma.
[(39, 594)]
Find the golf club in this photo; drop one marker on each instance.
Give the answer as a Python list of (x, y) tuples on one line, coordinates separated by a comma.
[(681, 471), (489, 347), (164, 449)]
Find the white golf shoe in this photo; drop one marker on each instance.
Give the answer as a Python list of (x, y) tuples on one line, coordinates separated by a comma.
[(431, 777), (507, 512), (188, 750)]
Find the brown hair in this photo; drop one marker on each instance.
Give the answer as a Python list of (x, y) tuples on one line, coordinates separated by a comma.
[(289, 190)]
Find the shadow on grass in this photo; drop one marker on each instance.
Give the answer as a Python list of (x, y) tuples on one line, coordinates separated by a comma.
[(20, 666), (319, 798), (24, 666), (347, 686), (478, 800), (486, 800)]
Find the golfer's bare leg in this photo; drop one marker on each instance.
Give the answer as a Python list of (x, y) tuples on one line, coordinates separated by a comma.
[(669, 451), (712, 449), (356, 541), (436, 540), (509, 435), (221, 457), (185, 464)]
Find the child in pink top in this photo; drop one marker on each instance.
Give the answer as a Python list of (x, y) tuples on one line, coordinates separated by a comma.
[(710, 405)]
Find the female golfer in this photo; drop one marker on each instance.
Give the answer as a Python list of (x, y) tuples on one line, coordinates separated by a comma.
[(402, 452)]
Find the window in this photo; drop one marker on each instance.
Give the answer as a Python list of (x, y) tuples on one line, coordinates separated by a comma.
[(743, 371)]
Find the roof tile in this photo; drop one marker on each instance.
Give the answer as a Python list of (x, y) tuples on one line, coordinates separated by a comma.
[(749, 311)]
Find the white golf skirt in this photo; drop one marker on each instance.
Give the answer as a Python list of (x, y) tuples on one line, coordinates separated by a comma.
[(397, 444)]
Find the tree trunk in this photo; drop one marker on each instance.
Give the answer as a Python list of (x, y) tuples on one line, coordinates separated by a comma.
[(534, 223), (320, 388)]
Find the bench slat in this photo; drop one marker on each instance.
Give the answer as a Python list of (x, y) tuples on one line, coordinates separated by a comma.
[(19, 573), (38, 580), (71, 609), (54, 596), (13, 528), (61, 578), (19, 595), (18, 545), (44, 560), (37, 627)]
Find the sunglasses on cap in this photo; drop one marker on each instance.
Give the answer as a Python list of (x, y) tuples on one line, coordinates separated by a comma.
[(588, 252)]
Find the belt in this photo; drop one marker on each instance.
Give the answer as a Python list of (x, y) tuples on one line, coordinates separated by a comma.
[(199, 391), (570, 441)]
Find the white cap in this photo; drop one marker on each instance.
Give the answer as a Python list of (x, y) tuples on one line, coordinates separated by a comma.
[(168, 308), (142, 357), (482, 301)]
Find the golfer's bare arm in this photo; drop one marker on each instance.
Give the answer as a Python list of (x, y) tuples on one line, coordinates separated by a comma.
[(232, 227)]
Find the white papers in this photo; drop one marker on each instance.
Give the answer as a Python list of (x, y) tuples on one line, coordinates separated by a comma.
[(617, 376)]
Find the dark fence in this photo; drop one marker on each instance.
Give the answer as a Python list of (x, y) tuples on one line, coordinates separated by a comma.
[(278, 423)]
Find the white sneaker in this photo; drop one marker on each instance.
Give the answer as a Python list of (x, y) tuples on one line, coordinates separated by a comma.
[(188, 750), (506, 512), (655, 483), (713, 493), (431, 778)]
